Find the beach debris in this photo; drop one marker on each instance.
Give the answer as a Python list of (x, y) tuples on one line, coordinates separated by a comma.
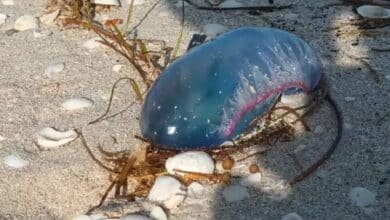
[(292, 216), (194, 189), (3, 18), (349, 99), (54, 68), (235, 193), (373, 12), (134, 217), (252, 180), (49, 18), (212, 30), (39, 33), (26, 22), (362, 197), (49, 137), (230, 4), (77, 103), (157, 213), (117, 67), (167, 191), (191, 161), (8, 2), (15, 161), (106, 2), (92, 43)]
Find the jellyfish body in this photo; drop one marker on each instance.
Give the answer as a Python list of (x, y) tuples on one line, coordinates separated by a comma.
[(212, 93)]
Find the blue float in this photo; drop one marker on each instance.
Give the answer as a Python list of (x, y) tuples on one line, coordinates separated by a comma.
[(212, 93)]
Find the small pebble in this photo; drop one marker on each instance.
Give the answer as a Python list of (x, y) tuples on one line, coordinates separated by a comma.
[(92, 43), (349, 99), (106, 2), (8, 2), (15, 161), (362, 197), (49, 137), (213, 30), (134, 217), (192, 161), (230, 4), (77, 103), (26, 22), (158, 213), (54, 69), (292, 216), (235, 193), (3, 18), (167, 191), (41, 33), (251, 180), (48, 19), (117, 67)]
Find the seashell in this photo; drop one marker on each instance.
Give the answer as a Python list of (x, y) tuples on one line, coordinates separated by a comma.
[(212, 30), (48, 19), (230, 4), (54, 69), (15, 161), (235, 193), (292, 216), (3, 18), (8, 2), (106, 2), (167, 191), (49, 137), (134, 217), (192, 161), (362, 197), (158, 213), (373, 11), (205, 98), (77, 103), (26, 22)]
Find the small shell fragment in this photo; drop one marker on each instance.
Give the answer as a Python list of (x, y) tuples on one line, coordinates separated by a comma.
[(77, 103), (235, 193), (3, 18), (48, 19), (54, 69), (373, 11), (15, 161), (167, 191), (26, 22), (192, 161), (49, 137), (106, 2)]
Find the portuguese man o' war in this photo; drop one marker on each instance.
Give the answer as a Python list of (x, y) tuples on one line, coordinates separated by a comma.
[(212, 93)]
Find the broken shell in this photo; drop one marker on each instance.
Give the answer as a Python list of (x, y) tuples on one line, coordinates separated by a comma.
[(26, 22), (167, 191), (191, 161), (15, 161), (77, 103), (49, 137), (106, 2), (373, 11), (48, 19)]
